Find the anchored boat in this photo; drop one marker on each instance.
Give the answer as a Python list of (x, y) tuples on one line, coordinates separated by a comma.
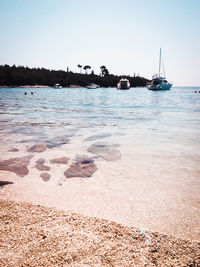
[(123, 84), (92, 86), (159, 82), (57, 86)]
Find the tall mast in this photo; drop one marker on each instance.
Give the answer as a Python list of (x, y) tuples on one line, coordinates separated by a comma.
[(159, 62)]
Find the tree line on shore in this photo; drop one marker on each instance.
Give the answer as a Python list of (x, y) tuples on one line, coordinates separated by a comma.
[(21, 76)]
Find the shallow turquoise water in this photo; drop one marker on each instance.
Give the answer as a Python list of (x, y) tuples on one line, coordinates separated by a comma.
[(160, 120), (146, 146)]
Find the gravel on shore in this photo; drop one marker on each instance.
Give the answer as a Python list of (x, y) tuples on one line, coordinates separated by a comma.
[(33, 235)]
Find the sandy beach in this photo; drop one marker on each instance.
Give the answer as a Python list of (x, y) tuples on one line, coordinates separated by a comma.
[(37, 236), (107, 163)]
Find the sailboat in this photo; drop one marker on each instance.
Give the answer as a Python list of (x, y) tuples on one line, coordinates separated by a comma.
[(159, 82)]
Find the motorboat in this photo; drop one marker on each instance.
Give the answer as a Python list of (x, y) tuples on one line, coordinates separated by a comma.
[(159, 81), (92, 86), (57, 86), (123, 84)]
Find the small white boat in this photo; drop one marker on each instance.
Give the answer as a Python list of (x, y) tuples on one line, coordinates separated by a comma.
[(92, 86), (123, 84), (74, 86), (159, 82), (57, 86)]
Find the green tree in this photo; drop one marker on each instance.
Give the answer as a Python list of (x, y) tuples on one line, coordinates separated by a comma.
[(104, 71), (86, 68), (102, 68), (80, 67)]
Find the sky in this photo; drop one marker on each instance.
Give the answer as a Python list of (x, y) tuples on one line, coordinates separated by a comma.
[(123, 35)]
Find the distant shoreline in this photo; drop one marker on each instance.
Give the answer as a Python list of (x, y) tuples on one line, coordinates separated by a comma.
[(25, 86), (46, 86), (11, 76)]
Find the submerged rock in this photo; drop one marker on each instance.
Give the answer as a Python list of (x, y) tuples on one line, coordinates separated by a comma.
[(13, 150), (42, 167), (83, 167), (50, 143), (98, 136), (58, 141), (37, 148), (41, 161), (16, 165), (83, 159), (45, 176), (105, 150), (62, 160), (79, 170), (2, 183)]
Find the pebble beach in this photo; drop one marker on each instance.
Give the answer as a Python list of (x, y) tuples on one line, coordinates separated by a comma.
[(33, 235)]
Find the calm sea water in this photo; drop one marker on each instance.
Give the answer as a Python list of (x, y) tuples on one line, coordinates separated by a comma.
[(148, 159), (163, 121)]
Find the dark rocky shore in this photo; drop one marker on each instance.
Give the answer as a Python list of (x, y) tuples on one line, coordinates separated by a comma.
[(33, 235)]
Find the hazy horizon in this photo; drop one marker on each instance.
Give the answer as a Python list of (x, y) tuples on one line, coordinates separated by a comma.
[(125, 36)]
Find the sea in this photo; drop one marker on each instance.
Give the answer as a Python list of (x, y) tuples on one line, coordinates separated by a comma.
[(164, 120), (148, 161)]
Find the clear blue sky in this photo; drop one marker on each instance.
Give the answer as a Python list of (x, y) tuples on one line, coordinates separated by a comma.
[(123, 35)]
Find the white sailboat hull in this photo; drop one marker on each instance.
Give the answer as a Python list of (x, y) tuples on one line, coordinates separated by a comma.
[(159, 82)]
